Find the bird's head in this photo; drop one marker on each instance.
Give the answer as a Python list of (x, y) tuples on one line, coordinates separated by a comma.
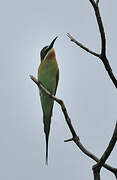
[(47, 50)]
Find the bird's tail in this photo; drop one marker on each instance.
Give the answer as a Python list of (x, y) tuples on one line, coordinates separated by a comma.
[(47, 122), (47, 137)]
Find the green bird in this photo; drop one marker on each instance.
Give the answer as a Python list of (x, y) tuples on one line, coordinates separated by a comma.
[(48, 76)]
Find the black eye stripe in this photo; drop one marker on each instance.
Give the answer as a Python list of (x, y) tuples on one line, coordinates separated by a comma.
[(44, 52)]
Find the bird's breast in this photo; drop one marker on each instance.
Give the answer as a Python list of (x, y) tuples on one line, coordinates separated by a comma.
[(47, 74)]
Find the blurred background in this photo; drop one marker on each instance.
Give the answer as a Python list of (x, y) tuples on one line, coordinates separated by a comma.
[(26, 26)]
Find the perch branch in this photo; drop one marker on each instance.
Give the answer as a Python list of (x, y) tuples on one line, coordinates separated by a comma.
[(106, 154), (59, 101), (75, 138)]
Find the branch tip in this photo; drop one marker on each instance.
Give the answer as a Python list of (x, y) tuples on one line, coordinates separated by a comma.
[(71, 37), (68, 140), (82, 46), (34, 79)]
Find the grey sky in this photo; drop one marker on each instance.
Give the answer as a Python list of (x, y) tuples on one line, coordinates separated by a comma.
[(89, 95)]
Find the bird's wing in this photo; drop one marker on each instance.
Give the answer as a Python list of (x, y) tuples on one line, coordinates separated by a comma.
[(57, 79)]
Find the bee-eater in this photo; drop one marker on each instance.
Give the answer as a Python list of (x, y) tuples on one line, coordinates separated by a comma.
[(48, 76)]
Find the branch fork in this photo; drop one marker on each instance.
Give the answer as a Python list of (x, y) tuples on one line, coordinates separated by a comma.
[(102, 56)]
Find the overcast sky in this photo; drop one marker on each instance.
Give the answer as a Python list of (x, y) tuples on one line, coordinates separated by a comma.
[(90, 97)]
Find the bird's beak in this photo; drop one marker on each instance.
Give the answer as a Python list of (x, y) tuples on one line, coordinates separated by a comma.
[(52, 43)]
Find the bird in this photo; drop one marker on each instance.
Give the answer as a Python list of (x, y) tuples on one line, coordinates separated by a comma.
[(48, 76)]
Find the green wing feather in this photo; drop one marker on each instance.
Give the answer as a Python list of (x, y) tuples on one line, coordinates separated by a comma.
[(57, 79)]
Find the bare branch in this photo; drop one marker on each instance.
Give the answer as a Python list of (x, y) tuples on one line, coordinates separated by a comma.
[(92, 156), (100, 25), (97, 2), (103, 43), (102, 56), (106, 154), (96, 174), (82, 46), (109, 70), (92, 2), (34, 79), (68, 140), (75, 138)]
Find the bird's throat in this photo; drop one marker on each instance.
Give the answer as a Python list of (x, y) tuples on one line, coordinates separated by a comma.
[(50, 55)]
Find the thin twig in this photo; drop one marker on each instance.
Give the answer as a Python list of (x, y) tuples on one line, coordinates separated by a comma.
[(82, 46), (68, 140), (106, 154), (75, 138)]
